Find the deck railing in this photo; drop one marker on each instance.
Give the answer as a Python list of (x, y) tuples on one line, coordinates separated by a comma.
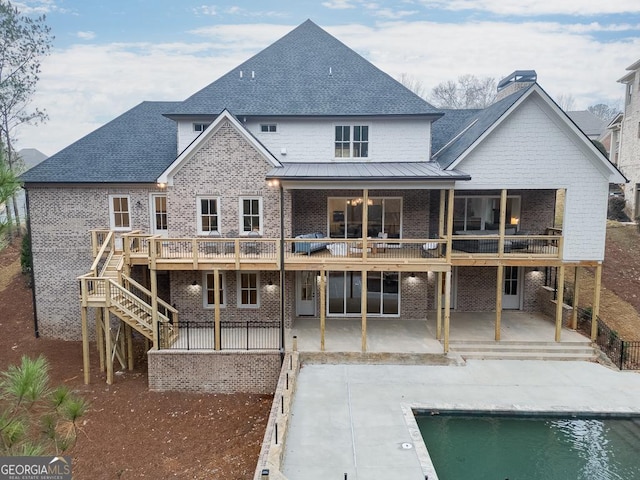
[(239, 335), (546, 246)]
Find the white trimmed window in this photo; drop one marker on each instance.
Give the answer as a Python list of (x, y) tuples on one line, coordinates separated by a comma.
[(250, 215), (268, 128), (208, 290), (248, 290), (200, 127), (351, 146), (119, 214), (208, 215), (159, 213)]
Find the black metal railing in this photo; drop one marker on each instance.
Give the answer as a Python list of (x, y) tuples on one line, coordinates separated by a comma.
[(624, 354), (241, 335)]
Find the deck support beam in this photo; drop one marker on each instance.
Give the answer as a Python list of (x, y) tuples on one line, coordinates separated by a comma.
[(499, 288), (154, 307), (323, 308), (363, 309), (559, 302), (108, 347), (596, 303), (438, 305), (217, 330), (100, 336), (85, 345), (128, 332), (447, 309), (576, 296)]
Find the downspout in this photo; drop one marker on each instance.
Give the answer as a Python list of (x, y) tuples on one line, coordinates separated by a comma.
[(32, 273)]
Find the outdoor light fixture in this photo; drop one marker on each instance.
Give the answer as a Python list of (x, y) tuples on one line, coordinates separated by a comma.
[(270, 282), (413, 275), (264, 475), (162, 185), (194, 283)]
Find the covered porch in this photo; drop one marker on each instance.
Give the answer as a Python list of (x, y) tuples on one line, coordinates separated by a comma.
[(386, 335)]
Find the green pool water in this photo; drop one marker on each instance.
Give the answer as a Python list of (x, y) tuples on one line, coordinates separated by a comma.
[(464, 446)]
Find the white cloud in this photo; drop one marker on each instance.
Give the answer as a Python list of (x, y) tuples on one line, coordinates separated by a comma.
[(338, 4), (391, 14), (84, 86), (36, 7), (538, 7), (206, 10), (88, 35)]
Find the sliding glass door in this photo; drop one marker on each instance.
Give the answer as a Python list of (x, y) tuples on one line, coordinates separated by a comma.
[(344, 292)]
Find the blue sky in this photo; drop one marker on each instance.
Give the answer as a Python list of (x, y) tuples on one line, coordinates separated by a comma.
[(110, 55)]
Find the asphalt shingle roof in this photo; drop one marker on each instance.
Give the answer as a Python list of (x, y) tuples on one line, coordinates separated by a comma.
[(136, 147), (588, 122), (475, 125), (306, 72)]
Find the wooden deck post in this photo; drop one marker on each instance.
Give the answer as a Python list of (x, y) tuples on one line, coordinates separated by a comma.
[(154, 307), (365, 223), (441, 218), (216, 314), (559, 302), (503, 214), (323, 308), (100, 336), (85, 345), (363, 308), (447, 309), (499, 287), (438, 305), (576, 295), (596, 303), (450, 225), (108, 348), (128, 332)]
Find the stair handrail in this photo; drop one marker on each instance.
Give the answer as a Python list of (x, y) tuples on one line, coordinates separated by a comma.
[(145, 290), (107, 242), (116, 288)]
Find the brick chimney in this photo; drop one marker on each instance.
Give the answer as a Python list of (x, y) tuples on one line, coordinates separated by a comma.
[(517, 80)]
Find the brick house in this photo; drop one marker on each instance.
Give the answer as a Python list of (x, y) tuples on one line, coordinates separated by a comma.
[(227, 217), (627, 128)]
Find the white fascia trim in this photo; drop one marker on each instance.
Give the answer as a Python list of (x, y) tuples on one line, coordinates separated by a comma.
[(166, 177), (614, 175)]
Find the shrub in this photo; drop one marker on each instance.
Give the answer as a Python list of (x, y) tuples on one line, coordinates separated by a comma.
[(615, 210), (35, 419), (25, 254)]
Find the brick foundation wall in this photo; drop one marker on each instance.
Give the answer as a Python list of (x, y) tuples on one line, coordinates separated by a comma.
[(214, 372), (548, 306)]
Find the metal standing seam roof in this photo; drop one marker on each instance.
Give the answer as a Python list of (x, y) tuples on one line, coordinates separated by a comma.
[(350, 171), (307, 72)]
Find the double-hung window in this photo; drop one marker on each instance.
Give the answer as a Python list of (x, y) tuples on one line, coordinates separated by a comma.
[(351, 146), (251, 215), (208, 215), (119, 214), (209, 289), (248, 290)]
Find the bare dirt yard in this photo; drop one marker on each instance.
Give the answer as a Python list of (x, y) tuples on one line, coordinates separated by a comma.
[(128, 431)]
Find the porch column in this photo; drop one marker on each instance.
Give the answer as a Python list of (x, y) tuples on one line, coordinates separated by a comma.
[(441, 218), (596, 303), (447, 309), (365, 222), (85, 344), (439, 305), (499, 287), (216, 310), (449, 226), (100, 337), (323, 307), (363, 309), (559, 302), (154, 307), (503, 214), (576, 296)]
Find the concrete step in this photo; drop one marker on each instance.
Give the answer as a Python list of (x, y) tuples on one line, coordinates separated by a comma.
[(514, 350)]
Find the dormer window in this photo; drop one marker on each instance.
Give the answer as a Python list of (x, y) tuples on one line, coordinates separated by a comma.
[(346, 145), (200, 127)]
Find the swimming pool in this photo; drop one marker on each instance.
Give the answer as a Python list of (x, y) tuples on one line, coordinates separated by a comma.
[(497, 446)]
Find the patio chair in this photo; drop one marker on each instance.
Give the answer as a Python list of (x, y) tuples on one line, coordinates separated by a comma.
[(252, 248)]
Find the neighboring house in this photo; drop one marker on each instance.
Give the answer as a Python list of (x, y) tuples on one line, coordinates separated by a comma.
[(629, 154), (611, 138), (592, 126), (244, 206)]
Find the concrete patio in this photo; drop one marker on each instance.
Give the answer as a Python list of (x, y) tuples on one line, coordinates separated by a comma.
[(389, 335)]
